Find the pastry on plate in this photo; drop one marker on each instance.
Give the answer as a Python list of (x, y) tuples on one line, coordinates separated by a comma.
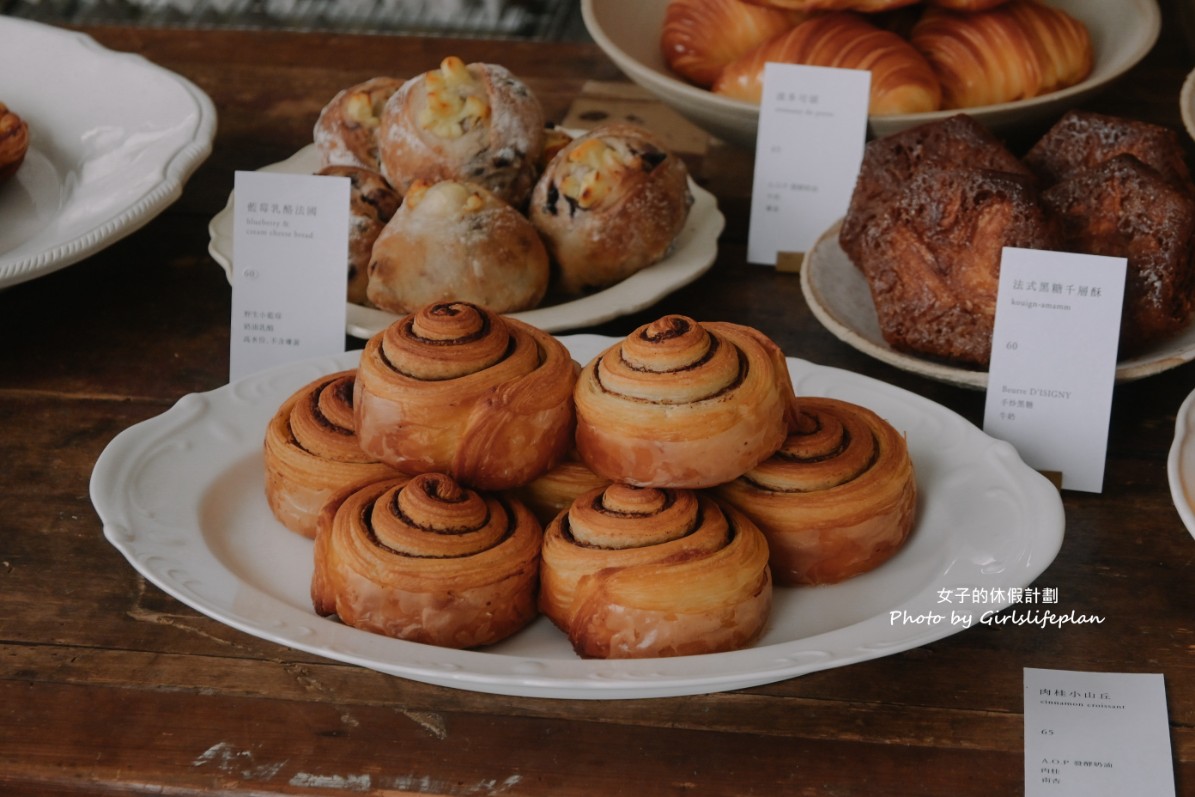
[(347, 128), (700, 37), (372, 202), (14, 142)]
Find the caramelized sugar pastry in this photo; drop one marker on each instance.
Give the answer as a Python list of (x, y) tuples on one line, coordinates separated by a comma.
[(700, 37), (372, 202), (683, 404), (428, 561), (458, 389), (311, 452), (643, 572), (347, 128), (14, 142), (838, 499)]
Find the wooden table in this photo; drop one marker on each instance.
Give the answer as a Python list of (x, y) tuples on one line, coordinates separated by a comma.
[(108, 686)]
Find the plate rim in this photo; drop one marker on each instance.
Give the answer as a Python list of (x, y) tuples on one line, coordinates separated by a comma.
[(1180, 458)]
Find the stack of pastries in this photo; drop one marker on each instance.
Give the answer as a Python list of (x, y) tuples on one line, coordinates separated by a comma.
[(934, 206), (645, 503), (923, 55), (462, 192)]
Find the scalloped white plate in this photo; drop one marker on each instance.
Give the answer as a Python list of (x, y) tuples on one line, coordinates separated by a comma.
[(113, 139), (182, 497), (692, 255), (840, 299), (1180, 465)]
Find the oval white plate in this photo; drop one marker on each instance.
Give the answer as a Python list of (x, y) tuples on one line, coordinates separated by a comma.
[(113, 138), (839, 297), (692, 255), (1180, 465), (182, 497)]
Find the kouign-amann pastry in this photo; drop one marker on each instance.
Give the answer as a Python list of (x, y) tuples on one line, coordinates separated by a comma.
[(347, 128), (639, 573), (901, 78), (837, 500), (683, 404), (311, 452), (1017, 50), (700, 37), (454, 241), (14, 142), (458, 389), (428, 561), (1124, 208), (372, 202), (471, 122), (611, 203)]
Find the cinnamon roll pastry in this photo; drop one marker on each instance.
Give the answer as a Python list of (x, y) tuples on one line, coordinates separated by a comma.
[(611, 203), (1017, 50), (700, 37), (455, 241), (837, 500), (683, 404), (639, 573), (458, 389), (901, 78), (427, 561), (346, 132), (14, 142), (311, 452), (372, 203), (553, 492), (470, 122)]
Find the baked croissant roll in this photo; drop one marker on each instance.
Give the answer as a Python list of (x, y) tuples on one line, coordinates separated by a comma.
[(611, 203), (700, 37), (458, 389), (901, 78), (311, 452), (455, 241), (473, 122), (1017, 50), (372, 203), (838, 499), (639, 573), (14, 142), (683, 404), (346, 132), (428, 561)]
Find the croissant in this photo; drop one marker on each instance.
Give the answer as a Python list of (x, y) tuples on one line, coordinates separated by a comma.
[(837, 500), (683, 404), (427, 561), (455, 388), (700, 37), (14, 142), (1017, 50), (636, 573), (311, 452), (902, 81), (346, 132)]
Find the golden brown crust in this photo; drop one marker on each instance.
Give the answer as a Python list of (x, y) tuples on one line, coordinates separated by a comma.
[(863, 6), (455, 241), (682, 404), (346, 131), (372, 202), (700, 37), (638, 573), (427, 561), (901, 78), (311, 452), (14, 142), (837, 500), (455, 388), (553, 492)]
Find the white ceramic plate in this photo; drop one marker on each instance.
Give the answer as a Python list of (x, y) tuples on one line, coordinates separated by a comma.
[(628, 31), (1180, 466), (839, 297), (692, 255), (182, 497), (113, 138)]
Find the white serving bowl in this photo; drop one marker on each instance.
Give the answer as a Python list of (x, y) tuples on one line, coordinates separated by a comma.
[(628, 31)]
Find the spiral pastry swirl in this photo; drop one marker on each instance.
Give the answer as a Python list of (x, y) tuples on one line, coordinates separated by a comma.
[(838, 499), (311, 452), (457, 389), (683, 404), (633, 572), (428, 560)]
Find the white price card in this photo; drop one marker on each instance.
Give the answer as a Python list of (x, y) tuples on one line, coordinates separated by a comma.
[(1090, 734), (1053, 362), (290, 246), (809, 145)]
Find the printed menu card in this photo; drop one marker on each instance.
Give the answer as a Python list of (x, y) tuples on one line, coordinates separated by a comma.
[(290, 250)]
